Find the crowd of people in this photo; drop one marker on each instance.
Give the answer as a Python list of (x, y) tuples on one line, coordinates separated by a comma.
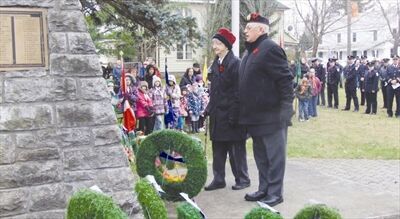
[(159, 105), (359, 74)]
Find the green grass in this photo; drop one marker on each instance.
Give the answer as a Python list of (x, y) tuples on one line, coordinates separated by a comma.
[(342, 134)]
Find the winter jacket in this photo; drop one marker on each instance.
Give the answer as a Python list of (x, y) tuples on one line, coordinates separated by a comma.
[(371, 81), (265, 85), (157, 95), (186, 80), (143, 105), (305, 95)]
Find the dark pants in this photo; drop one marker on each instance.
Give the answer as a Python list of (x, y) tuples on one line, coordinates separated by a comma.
[(321, 96), (391, 94), (237, 159), (351, 93), (362, 94), (383, 88), (371, 102), (333, 92), (270, 156), (146, 125)]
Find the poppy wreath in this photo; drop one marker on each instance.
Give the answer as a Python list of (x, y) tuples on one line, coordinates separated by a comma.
[(320, 210), (193, 156)]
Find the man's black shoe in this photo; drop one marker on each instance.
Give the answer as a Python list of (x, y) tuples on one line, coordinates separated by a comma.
[(240, 186), (255, 196), (272, 200), (346, 109), (214, 186), (356, 110)]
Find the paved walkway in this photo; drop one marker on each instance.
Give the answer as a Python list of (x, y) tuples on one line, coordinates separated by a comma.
[(358, 188)]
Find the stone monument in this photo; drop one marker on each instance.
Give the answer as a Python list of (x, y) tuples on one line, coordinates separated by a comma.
[(58, 130)]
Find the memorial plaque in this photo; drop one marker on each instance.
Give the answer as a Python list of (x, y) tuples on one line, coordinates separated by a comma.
[(23, 38)]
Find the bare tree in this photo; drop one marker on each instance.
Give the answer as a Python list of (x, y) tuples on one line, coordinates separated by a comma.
[(393, 31), (324, 14)]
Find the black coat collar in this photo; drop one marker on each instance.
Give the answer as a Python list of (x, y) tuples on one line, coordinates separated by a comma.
[(251, 46)]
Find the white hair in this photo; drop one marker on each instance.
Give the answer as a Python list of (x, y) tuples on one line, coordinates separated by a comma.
[(264, 27)]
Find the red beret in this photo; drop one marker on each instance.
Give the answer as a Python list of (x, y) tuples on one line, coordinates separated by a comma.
[(257, 18), (226, 37)]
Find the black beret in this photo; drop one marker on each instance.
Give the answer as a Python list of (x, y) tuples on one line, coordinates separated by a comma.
[(257, 18)]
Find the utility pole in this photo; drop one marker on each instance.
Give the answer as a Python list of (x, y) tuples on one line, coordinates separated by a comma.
[(236, 25), (349, 27)]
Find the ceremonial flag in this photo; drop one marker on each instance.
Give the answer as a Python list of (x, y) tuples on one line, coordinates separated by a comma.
[(129, 119), (129, 123), (205, 71), (166, 72)]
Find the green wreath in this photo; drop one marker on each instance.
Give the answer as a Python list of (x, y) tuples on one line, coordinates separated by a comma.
[(318, 211), (186, 211), (152, 205), (259, 212), (193, 156)]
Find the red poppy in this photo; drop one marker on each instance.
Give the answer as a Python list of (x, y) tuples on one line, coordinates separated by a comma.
[(221, 68), (254, 16), (255, 51)]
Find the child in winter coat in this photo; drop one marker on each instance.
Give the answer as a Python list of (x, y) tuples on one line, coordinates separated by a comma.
[(303, 93), (183, 109), (173, 96), (144, 107), (158, 97), (194, 107)]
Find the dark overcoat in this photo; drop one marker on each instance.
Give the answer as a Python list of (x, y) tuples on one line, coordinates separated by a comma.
[(371, 81), (350, 73), (223, 107), (265, 86)]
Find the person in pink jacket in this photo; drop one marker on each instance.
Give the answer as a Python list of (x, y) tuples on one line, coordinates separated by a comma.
[(144, 107), (315, 89)]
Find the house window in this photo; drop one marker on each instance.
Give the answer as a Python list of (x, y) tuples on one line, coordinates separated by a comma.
[(339, 38), (340, 55), (373, 53), (377, 54), (354, 37), (375, 35), (354, 53), (184, 51), (365, 53), (320, 54)]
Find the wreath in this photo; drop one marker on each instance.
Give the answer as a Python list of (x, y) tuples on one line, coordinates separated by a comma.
[(318, 211), (259, 212), (192, 155)]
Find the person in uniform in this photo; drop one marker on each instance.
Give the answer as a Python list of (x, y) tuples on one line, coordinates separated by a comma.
[(320, 72), (266, 107), (371, 88), (333, 79), (364, 69), (350, 74), (393, 87), (383, 79), (226, 134)]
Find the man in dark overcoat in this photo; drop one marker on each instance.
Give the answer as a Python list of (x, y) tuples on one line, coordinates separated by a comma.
[(384, 79), (266, 107), (227, 136), (393, 87), (332, 81), (350, 74)]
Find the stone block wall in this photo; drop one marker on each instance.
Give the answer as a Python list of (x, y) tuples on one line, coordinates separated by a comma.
[(58, 130)]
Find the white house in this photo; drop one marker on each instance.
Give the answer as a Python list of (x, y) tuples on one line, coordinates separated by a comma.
[(370, 36), (183, 57)]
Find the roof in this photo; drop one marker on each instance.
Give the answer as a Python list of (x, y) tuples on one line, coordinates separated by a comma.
[(281, 6)]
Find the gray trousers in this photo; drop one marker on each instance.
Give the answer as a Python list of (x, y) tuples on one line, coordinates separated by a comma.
[(237, 159), (270, 156)]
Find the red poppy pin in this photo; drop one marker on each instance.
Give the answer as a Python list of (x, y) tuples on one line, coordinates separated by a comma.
[(255, 51), (254, 16), (221, 68)]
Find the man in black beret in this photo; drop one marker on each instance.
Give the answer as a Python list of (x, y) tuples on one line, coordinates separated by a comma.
[(266, 107)]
